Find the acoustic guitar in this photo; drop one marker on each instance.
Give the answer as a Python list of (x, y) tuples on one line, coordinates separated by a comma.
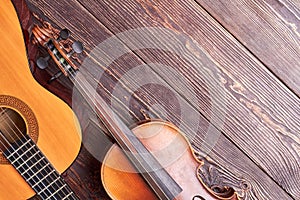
[(39, 134)]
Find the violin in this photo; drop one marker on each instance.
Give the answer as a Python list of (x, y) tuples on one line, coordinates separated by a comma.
[(142, 164)]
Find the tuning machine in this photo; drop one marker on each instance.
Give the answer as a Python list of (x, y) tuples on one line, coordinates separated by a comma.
[(77, 47), (42, 62), (63, 35), (56, 50)]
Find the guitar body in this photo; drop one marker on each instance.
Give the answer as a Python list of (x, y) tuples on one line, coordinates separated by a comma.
[(48, 120)]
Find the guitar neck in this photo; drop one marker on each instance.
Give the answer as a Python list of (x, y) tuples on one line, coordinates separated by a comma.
[(37, 171)]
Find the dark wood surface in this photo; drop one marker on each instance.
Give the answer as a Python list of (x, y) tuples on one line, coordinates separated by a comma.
[(253, 51), (269, 29)]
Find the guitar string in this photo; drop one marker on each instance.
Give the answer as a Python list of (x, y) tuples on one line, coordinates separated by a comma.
[(29, 168), (16, 134), (72, 77), (19, 131), (44, 162), (8, 142), (197, 140), (87, 96)]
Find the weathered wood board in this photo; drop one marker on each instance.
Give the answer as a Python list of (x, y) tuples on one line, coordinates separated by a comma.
[(258, 116), (269, 29)]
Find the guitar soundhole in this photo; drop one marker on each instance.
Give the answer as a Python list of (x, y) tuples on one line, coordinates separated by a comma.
[(12, 127), (16, 120)]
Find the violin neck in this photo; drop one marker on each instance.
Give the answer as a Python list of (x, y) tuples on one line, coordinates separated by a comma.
[(151, 170)]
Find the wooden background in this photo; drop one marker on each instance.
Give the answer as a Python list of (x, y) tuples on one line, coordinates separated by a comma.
[(254, 55)]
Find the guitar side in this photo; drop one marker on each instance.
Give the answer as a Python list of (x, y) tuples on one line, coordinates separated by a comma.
[(58, 131)]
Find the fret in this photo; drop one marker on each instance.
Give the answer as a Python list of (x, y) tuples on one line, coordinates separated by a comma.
[(35, 163), (69, 195), (40, 170), (30, 169), (25, 161), (28, 161), (20, 147), (37, 171), (49, 185), (16, 154), (42, 177), (57, 191), (53, 171)]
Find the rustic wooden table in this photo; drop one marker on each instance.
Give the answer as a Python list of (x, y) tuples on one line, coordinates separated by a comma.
[(227, 75)]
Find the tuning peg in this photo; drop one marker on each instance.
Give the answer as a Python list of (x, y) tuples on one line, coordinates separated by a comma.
[(54, 77), (42, 62), (77, 47), (63, 34)]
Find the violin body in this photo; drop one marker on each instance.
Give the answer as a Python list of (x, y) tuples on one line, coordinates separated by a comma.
[(173, 152), (48, 120)]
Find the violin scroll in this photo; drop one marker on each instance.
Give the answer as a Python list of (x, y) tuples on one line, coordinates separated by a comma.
[(54, 42)]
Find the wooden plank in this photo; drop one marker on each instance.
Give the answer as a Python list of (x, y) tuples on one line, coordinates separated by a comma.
[(269, 29), (253, 108), (224, 153)]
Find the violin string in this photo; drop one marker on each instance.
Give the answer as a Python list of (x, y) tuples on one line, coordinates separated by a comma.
[(197, 140), (78, 81), (30, 154), (75, 80), (81, 83), (114, 74), (108, 93)]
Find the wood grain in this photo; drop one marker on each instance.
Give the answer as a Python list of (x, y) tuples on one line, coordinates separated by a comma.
[(269, 29), (251, 88), (257, 101)]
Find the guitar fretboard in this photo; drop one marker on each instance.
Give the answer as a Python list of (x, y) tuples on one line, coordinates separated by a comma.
[(37, 171)]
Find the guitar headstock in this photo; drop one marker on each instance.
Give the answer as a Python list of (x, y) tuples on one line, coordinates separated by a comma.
[(55, 43)]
